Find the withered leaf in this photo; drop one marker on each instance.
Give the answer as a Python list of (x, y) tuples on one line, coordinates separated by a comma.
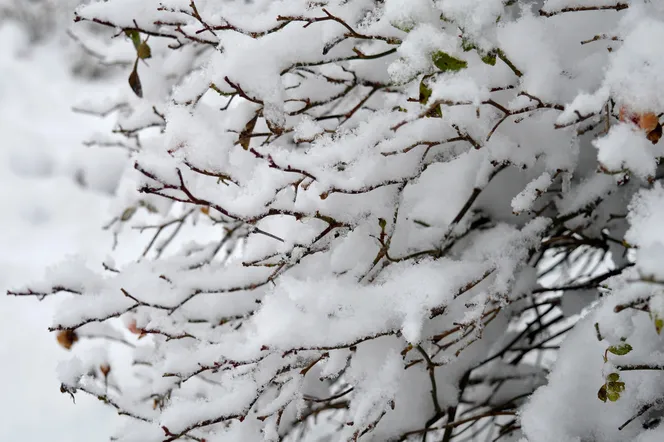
[(655, 134), (135, 82), (245, 135), (67, 338), (143, 50)]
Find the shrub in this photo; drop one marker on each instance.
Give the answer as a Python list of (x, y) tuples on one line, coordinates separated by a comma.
[(376, 220)]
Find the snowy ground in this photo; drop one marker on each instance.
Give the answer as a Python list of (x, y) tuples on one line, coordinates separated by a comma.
[(44, 216)]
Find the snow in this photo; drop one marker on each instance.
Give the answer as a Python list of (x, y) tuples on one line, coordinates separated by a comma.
[(475, 17), (525, 199), (635, 75), (624, 147), (406, 13), (537, 55), (645, 230), (307, 130), (457, 88)]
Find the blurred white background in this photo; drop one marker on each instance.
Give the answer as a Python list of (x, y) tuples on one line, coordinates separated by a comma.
[(53, 198)]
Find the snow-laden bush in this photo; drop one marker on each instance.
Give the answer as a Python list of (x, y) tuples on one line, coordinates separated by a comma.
[(377, 219)]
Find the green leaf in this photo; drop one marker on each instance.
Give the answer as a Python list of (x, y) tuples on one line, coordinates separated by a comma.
[(382, 223), (490, 59), (620, 350), (446, 62), (127, 214), (617, 387), (143, 50), (611, 390), (613, 396), (467, 45), (602, 394), (659, 324), (134, 36), (613, 377), (425, 92)]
